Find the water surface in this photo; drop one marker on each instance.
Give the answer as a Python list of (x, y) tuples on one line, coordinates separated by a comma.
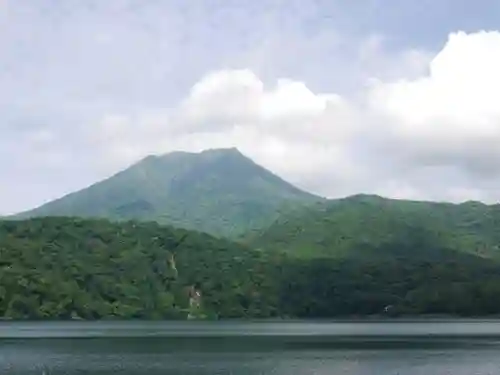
[(279, 348)]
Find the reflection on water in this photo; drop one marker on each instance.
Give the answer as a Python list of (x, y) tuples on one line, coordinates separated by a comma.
[(454, 347)]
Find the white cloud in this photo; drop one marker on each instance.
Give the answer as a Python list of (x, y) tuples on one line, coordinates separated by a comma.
[(107, 79), (286, 127), (229, 97), (221, 99), (450, 116), (434, 136)]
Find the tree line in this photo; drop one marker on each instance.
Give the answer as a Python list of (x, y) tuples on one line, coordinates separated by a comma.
[(70, 268)]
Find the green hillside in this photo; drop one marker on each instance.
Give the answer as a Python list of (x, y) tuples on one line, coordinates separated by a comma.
[(297, 255), (66, 268), (63, 267), (219, 191), (352, 226)]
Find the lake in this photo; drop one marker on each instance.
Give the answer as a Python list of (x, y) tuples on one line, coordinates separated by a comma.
[(456, 347)]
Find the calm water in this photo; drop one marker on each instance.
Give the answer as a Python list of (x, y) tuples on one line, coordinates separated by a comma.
[(444, 347)]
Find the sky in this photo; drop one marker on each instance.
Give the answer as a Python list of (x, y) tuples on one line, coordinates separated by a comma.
[(338, 97)]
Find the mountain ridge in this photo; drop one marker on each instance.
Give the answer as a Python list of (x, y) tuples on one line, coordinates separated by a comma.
[(219, 191), (72, 268), (340, 227), (299, 256)]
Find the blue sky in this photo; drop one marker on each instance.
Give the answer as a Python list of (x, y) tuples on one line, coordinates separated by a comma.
[(88, 87)]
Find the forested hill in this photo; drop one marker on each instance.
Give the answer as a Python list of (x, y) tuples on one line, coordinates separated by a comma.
[(66, 268), (350, 226), (217, 191)]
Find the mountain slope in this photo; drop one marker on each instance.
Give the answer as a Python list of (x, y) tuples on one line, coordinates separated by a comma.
[(219, 191), (361, 225), (58, 268), (66, 268)]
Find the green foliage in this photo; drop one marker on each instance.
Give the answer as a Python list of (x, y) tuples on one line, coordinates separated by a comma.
[(446, 283), (359, 256), (367, 255), (65, 268), (216, 191), (346, 227)]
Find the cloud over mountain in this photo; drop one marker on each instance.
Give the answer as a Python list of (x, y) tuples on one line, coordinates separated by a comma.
[(87, 90), (433, 136)]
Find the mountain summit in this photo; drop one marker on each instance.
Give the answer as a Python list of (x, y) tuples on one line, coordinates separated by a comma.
[(219, 191)]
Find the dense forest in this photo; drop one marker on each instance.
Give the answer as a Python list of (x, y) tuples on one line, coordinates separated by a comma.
[(344, 227), (75, 268), (69, 268)]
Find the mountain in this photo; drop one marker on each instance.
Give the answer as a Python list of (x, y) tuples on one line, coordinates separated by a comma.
[(62, 268), (368, 225), (72, 268), (218, 191)]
